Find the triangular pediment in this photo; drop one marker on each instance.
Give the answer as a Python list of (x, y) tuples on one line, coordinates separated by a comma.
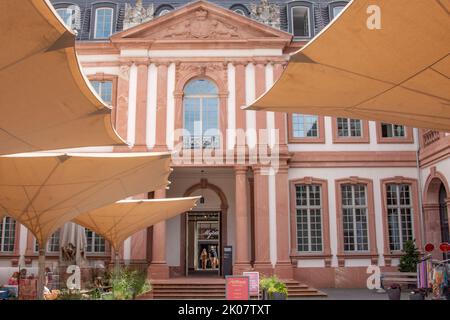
[(201, 21)]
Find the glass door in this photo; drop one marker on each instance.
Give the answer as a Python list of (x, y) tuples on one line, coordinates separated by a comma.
[(207, 246)]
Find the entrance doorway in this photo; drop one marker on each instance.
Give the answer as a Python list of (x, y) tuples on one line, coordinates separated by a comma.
[(203, 243)]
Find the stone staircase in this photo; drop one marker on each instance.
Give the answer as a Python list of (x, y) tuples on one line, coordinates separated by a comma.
[(213, 289)]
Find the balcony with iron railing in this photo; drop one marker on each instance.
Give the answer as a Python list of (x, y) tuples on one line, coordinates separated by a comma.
[(201, 142)]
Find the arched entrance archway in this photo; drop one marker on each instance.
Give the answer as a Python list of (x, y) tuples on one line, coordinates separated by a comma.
[(436, 209), (221, 210)]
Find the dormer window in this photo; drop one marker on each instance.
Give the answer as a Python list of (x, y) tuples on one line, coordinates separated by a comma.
[(336, 8), (240, 9), (300, 22), (70, 16), (300, 16), (104, 18), (163, 10)]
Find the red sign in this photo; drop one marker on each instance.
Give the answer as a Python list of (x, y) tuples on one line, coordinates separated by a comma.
[(429, 247), (254, 282), (237, 288), (444, 246)]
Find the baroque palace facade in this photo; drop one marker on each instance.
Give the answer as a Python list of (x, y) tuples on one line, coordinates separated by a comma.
[(344, 193)]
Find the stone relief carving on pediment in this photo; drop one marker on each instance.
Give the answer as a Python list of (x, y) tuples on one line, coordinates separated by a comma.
[(202, 26)]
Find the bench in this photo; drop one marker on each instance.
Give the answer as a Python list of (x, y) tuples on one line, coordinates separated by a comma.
[(402, 278)]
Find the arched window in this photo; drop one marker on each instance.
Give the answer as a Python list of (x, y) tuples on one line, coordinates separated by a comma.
[(201, 114), (163, 10), (240, 9)]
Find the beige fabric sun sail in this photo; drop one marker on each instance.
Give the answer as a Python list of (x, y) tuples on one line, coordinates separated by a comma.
[(118, 221), (397, 74), (45, 190), (45, 101)]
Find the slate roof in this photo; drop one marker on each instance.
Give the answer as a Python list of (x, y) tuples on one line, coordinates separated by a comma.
[(320, 9)]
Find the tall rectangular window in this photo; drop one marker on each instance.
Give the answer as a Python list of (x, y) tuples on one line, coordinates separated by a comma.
[(399, 213), (104, 89), (355, 217), (305, 126), (301, 22), (347, 127), (309, 217), (7, 234), (392, 130), (95, 242), (103, 23)]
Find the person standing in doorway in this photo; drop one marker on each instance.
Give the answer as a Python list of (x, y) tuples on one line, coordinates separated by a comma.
[(204, 257), (213, 257)]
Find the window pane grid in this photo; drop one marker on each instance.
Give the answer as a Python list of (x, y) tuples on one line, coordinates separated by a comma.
[(103, 23), (389, 130), (399, 212), (7, 234), (104, 90), (354, 217), (94, 242), (201, 115), (309, 218), (349, 127), (305, 126)]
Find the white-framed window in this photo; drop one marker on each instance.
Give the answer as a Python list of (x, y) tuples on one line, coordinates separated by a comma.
[(301, 21), (201, 115), (52, 243), (104, 89), (67, 15), (95, 244), (399, 214), (337, 10), (104, 18), (309, 217), (389, 130), (7, 234), (305, 126), (355, 217), (347, 127)]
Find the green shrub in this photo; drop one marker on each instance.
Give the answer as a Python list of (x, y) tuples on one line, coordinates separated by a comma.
[(127, 284), (273, 285), (411, 257)]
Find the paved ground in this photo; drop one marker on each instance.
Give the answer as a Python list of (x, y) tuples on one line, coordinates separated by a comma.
[(354, 294)]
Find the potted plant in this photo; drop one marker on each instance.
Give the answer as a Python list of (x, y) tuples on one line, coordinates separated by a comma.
[(273, 289), (394, 291)]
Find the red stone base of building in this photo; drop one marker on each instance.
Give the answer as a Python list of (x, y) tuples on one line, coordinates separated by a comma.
[(342, 277), (264, 268), (238, 268), (284, 270), (158, 271)]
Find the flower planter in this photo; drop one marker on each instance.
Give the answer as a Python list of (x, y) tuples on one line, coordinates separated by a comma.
[(278, 296), (394, 294)]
